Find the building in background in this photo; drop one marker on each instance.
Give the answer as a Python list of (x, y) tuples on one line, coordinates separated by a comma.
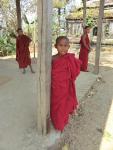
[(74, 21)]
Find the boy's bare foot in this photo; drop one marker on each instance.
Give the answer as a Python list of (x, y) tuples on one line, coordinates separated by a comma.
[(32, 71), (24, 71), (74, 112)]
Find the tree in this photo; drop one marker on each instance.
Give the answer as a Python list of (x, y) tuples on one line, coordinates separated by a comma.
[(84, 12), (99, 34), (28, 6), (8, 11), (59, 4), (18, 11), (28, 24)]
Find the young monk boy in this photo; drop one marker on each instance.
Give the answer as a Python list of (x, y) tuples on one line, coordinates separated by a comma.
[(22, 51), (65, 69)]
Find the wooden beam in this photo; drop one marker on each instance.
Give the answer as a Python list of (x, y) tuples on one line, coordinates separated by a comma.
[(18, 11), (44, 9), (99, 36), (84, 12)]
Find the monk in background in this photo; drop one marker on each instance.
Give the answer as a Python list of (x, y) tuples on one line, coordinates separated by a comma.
[(84, 49), (22, 51)]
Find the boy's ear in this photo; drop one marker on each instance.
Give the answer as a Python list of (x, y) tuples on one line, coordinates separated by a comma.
[(55, 46)]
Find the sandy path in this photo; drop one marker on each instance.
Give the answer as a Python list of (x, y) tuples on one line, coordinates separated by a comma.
[(84, 132), (92, 129)]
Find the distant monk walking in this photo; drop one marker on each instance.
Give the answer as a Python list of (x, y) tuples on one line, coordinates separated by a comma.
[(84, 48), (22, 51)]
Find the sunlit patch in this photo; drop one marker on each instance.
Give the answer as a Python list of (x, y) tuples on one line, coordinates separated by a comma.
[(8, 57), (107, 139)]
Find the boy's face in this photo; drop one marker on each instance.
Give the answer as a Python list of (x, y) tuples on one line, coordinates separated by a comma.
[(87, 30), (62, 46), (20, 32)]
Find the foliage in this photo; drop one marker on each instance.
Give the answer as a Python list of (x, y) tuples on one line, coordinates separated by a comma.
[(107, 30), (59, 3), (91, 12), (30, 27), (58, 18), (28, 6), (58, 28), (8, 12), (90, 21), (7, 45)]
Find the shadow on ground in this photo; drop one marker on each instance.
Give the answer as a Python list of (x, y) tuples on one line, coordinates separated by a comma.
[(92, 128)]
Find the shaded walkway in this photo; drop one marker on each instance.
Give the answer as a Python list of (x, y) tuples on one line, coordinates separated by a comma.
[(18, 107)]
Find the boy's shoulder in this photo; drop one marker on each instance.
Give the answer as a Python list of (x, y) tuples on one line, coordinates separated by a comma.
[(54, 57), (71, 55)]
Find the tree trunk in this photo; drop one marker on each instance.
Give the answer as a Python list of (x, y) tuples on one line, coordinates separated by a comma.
[(59, 13), (18, 11), (44, 9), (34, 37), (99, 36), (84, 12)]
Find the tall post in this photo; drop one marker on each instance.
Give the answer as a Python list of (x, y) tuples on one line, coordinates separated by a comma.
[(34, 37), (44, 10), (84, 12), (99, 36), (18, 11)]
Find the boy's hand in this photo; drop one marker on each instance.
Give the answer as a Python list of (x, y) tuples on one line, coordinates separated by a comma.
[(89, 50)]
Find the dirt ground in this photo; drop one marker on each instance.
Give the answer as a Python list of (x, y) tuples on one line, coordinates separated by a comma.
[(92, 128)]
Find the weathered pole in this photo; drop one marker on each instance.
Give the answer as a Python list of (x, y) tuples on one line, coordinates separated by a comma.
[(18, 11), (44, 10), (99, 36), (84, 12), (34, 37)]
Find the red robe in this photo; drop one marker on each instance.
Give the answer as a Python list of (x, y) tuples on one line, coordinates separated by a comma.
[(65, 69), (22, 51), (83, 56)]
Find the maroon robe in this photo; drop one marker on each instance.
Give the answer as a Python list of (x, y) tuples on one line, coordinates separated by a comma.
[(22, 51), (83, 56), (65, 69)]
